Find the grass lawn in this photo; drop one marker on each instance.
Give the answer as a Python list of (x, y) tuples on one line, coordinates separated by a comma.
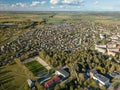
[(35, 67), (12, 78)]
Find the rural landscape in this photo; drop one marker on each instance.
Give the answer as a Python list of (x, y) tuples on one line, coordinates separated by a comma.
[(59, 45), (59, 50)]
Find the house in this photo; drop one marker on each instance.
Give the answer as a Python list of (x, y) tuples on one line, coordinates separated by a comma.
[(101, 46), (92, 73), (98, 77), (115, 74), (101, 79), (111, 52), (62, 72), (99, 49), (118, 46), (111, 45), (114, 49), (114, 37), (31, 84), (102, 36)]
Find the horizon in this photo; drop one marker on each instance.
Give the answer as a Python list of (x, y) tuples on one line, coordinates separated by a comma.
[(60, 5)]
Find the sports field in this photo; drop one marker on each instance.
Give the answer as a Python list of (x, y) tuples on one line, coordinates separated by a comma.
[(36, 68)]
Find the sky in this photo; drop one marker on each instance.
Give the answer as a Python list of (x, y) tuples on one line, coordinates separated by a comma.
[(59, 5)]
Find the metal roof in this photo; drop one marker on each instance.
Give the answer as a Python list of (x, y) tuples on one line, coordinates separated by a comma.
[(101, 77), (63, 72)]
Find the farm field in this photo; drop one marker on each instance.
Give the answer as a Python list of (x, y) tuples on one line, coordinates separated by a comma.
[(36, 68), (52, 36), (12, 77)]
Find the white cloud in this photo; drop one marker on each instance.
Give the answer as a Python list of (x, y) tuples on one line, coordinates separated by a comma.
[(66, 2), (62, 6), (43, 2), (13, 5), (78, 7), (21, 4), (72, 1), (4, 6), (34, 3), (54, 1), (96, 2), (52, 7)]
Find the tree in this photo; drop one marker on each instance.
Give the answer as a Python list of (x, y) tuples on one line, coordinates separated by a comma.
[(42, 54), (39, 87), (57, 87), (71, 87), (81, 77), (48, 59), (103, 88), (26, 87)]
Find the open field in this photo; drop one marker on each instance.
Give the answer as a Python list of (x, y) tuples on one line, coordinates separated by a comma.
[(35, 67), (51, 35), (12, 77), (25, 21)]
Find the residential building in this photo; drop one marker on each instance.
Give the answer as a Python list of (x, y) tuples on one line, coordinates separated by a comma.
[(101, 79), (62, 72), (98, 77), (102, 50), (51, 82), (114, 49), (115, 74)]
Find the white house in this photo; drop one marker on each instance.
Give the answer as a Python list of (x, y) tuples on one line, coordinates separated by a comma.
[(103, 50), (114, 49)]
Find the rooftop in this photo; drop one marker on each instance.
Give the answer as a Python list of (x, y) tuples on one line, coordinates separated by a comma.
[(101, 77), (66, 74), (115, 74), (93, 71)]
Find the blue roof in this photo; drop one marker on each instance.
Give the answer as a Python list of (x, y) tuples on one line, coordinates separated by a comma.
[(41, 80)]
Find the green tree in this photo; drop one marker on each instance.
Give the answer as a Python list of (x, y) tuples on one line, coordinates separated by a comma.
[(57, 87)]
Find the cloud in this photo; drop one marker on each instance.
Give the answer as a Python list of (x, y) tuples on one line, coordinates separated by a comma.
[(66, 2), (20, 5), (13, 5), (52, 7), (62, 6), (72, 1), (4, 6), (34, 3), (54, 1), (43, 2), (96, 2)]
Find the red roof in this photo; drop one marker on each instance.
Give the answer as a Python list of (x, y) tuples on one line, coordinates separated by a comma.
[(118, 46), (51, 81)]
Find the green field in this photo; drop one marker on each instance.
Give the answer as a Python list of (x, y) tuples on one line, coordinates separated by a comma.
[(35, 67), (12, 78)]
